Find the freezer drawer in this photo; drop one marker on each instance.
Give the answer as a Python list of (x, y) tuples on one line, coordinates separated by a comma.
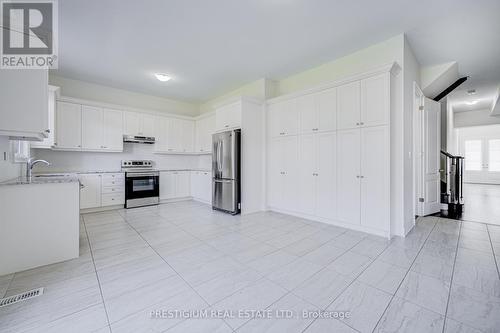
[(226, 195)]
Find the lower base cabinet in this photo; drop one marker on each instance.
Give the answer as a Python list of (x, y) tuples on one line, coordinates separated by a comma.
[(102, 190), (201, 186), (175, 184)]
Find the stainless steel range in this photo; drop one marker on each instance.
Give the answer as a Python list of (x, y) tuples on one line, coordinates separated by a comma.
[(142, 183)]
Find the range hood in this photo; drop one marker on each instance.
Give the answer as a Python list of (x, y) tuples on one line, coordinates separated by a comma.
[(139, 139)]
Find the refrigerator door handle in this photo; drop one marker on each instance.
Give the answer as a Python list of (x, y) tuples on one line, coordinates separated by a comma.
[(223, 180), (219, 156)]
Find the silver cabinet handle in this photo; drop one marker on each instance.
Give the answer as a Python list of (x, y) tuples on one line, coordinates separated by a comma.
[(357, 124), (361, 123), (47, 131)]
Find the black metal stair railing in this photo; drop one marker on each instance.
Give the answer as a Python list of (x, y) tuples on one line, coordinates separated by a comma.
[(452, 180)]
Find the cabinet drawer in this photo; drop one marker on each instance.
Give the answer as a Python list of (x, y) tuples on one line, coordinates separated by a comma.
[(111, 199), (112, 182), (113, 189), (114, 176)]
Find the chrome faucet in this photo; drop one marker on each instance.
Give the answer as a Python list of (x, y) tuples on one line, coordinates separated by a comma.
[(31, 163)]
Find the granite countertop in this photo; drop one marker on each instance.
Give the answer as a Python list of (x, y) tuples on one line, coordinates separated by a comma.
[(43, 179)]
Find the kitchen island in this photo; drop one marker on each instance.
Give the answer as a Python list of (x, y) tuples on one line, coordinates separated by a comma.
[(39, 221)]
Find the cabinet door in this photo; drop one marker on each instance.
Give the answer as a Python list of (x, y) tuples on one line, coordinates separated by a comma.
[(375, 100), (200, 128), (167, 185), (147, 127), (290, 117), (174, 135), (207, 134), (92, 128), (275, 173), (187, 129), (375, 183), (161, 134), (348, 173), (228, 116), (348, 105), (68, 125), (131, 123), (183, 184), (274, 125), (206, 188), (196, 185), (90, 194), (113, 130), (307, 110), (290, 160), (326, 182), (306, 174), (327, 110), (49, 141)]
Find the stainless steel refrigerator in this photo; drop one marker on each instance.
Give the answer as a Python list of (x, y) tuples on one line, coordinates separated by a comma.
[(226, 171)]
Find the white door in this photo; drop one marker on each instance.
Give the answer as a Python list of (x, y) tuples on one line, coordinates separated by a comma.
[(348, 176), (90, 194), (348, 105), (327, 110), (306, 174), (92, 128), (131, 123), (68, 125), (375, 182), (375, 100), (431, 146), (326, 182), (306, 107), (481, 148), (113, 130), (167, 185)]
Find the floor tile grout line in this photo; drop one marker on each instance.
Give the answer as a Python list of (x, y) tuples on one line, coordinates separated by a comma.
[(8, 285), (452, 275), (406, 274), (493, 250), (97, 275)]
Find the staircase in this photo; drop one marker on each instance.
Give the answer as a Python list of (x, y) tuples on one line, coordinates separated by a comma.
[(451, 174)]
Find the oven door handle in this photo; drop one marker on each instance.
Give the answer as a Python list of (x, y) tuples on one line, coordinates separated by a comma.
[(137, 174)]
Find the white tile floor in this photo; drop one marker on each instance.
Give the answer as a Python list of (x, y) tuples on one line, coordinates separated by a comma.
[(443, 277)]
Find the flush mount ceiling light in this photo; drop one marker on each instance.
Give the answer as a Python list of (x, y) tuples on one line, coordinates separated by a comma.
[(472, 102), (163, 77)]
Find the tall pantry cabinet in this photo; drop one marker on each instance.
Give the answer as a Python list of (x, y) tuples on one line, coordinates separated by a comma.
[(328, 153)]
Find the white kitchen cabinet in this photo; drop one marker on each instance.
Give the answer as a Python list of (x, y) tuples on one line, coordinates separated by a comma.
[(348, 105), (326, 175), (201, 186), (112, 189), (161, 134), (283, 173), (375, 100), (205, 127), (138, 124), (375, 181), (306, 180), (48, 142), (283, 118), (101, 129), (308, 113), (174, 136), (228, 116), (90, 194), (326, 107), (348, 176), (68, 126), (187, 138), (23, 113), (112, 130), (167, 185), (92, 128), (175, 184)]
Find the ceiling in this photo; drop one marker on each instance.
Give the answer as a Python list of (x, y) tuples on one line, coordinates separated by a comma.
[(210, 47), (484, 98)]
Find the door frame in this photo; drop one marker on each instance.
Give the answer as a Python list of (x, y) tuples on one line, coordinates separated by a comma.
[(418, 101)]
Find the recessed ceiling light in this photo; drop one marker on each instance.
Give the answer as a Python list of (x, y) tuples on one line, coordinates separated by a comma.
[(472, 103), (163, 77)]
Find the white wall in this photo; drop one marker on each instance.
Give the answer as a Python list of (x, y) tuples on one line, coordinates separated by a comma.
[(95, 92), (411, 75), (474, 118), (8, 170), (64, 161)]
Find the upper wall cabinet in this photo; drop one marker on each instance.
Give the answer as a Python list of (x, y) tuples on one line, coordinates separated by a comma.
[(364, 103), (68, 126), (48, 142), (138, 124), (228, 117), (318, 112), (205, 127), (173, 135), (84, 127), (283, 118), (23, 109)]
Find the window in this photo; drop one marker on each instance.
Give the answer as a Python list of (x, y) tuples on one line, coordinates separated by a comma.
[(494, 155), (473, 155)]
